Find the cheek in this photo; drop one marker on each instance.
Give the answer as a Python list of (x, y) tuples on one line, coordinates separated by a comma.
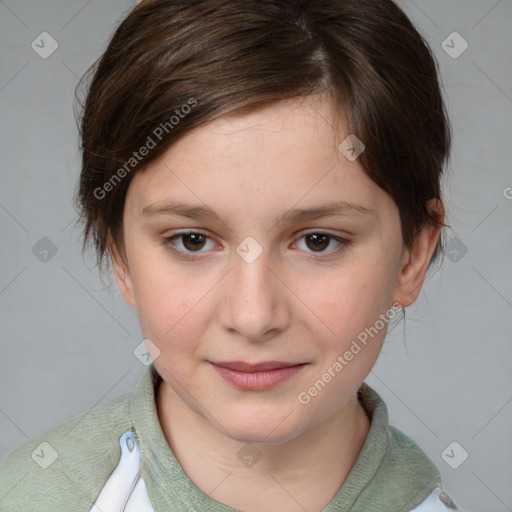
[(171, 310), (354, 299), (351, 307)]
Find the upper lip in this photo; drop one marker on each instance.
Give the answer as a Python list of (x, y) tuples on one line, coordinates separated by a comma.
[(242, 366)]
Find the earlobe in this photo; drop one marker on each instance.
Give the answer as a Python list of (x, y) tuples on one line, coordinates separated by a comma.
[(416, 260), (121, 273)]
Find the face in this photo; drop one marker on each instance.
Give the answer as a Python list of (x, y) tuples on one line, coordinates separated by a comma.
[(252, 294)]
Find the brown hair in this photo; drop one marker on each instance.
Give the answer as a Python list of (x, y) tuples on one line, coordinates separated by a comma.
[(198, 60)]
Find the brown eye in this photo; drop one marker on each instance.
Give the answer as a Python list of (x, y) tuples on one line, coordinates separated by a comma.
[(187, 243), (193, 241), (317, 241)]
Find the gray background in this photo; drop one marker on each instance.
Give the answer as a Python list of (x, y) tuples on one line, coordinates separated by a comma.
[(67, 342)]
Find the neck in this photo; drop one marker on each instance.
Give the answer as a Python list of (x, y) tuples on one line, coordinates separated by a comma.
[(303, 473)]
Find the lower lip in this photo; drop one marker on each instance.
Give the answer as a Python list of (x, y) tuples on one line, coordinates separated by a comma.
[(257, 381)]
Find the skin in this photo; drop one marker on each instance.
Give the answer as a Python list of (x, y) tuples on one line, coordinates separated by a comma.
[(293, 303)]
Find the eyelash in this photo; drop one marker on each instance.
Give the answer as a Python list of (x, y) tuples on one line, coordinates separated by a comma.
[(167, 242)]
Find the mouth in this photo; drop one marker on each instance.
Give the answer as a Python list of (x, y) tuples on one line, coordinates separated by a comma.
[(259, 376)]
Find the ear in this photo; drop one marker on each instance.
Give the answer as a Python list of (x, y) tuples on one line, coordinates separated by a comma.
[(416, 260), (121, 273)]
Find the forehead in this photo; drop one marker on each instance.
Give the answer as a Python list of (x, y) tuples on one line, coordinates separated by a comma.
[(288, 131), (281, 155)]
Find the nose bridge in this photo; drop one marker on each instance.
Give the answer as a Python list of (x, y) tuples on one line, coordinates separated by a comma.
[(255, 299), (252, 273)]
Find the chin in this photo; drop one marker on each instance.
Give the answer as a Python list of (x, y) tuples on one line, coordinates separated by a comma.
[(261, 429)]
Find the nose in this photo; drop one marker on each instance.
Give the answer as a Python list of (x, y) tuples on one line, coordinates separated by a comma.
[(256, 299)]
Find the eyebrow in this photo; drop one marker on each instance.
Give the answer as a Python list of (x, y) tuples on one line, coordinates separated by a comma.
[(331, 209)]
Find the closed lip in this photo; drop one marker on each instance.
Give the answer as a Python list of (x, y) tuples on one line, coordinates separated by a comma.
[(241, 366)]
